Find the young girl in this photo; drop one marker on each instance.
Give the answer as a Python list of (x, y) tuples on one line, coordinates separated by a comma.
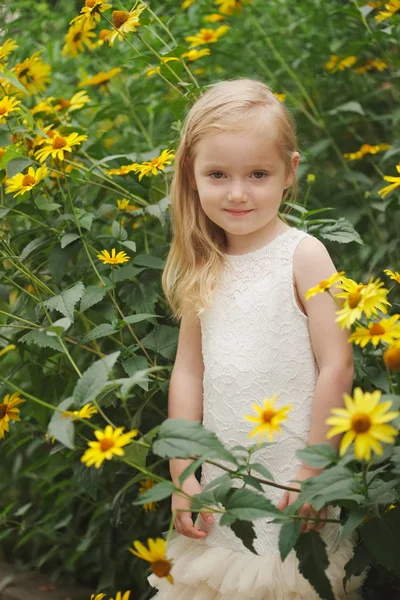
[(237, 276)]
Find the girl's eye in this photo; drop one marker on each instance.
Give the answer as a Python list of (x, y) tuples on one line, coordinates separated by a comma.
[(216, 173), (256, 172), (260, 173)]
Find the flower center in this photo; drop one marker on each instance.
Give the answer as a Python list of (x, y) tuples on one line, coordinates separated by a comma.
[(377, 329), (28, 180), (392, 358), (90, 3), (104, 33), (59, 142), (3, 410), (323, 284), (106, 444), (119, 17), (360, 423), (268, 414), (64, 103), (77, 37), (161, 568), (3, 110), (354, 299)]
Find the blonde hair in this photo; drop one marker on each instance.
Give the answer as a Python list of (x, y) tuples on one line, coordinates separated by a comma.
[(196, 255)]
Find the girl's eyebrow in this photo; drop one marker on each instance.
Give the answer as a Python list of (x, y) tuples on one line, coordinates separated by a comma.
[(260, 165)]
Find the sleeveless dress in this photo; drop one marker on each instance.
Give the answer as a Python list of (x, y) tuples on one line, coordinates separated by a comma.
[(255, 343)]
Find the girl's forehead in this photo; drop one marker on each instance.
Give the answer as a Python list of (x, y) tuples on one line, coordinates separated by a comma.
[(233, 146)]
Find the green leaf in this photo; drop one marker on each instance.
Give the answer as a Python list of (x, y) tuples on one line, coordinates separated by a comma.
[(8, 155), (92, 295), (356, 516), (247, 505), (244, 530), (341, 231), (129, 244), (125, 272), (161, 490), (288, 536), (44, 204), (88, 477), (351, 106), (139, 378), (262, 469), (16, 165), (192, 468), (381, 537), (62, 428), (181, 438), (152, 262), (318, 456), (313, 560), (99, 331), (35, 244), (360, 560), (65, 302), (137, 318), (58, 327), (10, 77), (68, 238), (133, 453), (94, 379), (163, 339), (336, 483), (118, 232), (41, 339)]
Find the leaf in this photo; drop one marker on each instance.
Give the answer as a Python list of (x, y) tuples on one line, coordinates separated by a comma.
[(125, 272), (58, 327), (137, 318), (41, 339), (16, 165), (262, 469), (341, 231), (118, 232), (44, 204), (129, 244), (94, 379), (244, 530), (92, 295), (88, 477), (35, 244), (65, 302), (318, 456), (163, 339), (360, 560), (62, 428), (288, 536), (381, 537), (9, 76), (152, 262), (192, 468), (99, 331), (140, 377), (355, 518), (68, 238), (313, 560), (161, 490), (247, 505), (133, 453), (336, 483), (351, 106), (181, 438)]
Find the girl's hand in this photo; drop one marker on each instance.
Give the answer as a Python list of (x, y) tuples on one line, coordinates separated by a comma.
[(183, 521), (306, 510)]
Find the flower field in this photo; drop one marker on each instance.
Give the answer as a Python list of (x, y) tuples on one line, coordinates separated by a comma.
[(92, 100)]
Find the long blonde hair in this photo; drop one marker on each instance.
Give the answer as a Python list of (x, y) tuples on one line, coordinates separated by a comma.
[(196, 255)]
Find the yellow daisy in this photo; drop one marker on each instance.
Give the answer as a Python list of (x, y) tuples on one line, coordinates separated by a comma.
[(147, 484), (9, 412), (186, 3), (97, 596), (124, 205), (113, 259), (33, 73), (124, 170), (389, 188), (151, 71), (229, 7), (155, 554), (213, 18), (207, 36), (8, 105), (155, 164), (91, 11), (281, 97), (121, 596), (6, 49), (391, 8), (101, 78), (86, 412), (324, 285), (124, 22), (391, 357), (56, 146), (371, 63), (78, 37), (110, 443), (44, 106), (335, 63), (364, 421), (194, 54), (393, 275), (385, 330), (361, 298), (78, 101), (268, 418), (25, 183), (366, 149), (8, 348)]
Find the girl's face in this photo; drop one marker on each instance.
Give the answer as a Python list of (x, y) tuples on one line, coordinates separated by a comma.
[(241, 171)]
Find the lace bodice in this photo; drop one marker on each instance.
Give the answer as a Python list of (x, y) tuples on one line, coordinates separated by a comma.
[(256, 343)]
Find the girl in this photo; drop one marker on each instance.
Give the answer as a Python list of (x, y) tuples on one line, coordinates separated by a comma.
[(237, 276)]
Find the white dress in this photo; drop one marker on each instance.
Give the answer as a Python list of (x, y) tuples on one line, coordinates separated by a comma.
[(255, 343)]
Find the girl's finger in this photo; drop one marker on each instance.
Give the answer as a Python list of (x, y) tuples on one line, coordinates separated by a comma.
[(283, 502)]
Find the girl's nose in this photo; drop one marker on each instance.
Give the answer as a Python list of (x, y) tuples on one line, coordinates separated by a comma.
[(237, 191)]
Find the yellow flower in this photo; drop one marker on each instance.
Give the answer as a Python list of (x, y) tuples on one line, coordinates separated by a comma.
[(194, 54), (366, 149), (207, 36), (335, 63), (33, 73), (229, 7), (124, 170), (58, 145), (86, 412), (268, 418), (361, 298), (6, 49), (8, 348), (121, 596), (110, 443), (44, 106), (77, 101), (8, 411), (391, 8), (363, 420), (155, 164), (213, 18), (8, 105), (281, 97), (91, 11), (101, 78), (324, 285), (146, 485), (124, 22), (396, 183), (163, 61), (393, 275), (114, 259), (371, 63), (155, 554), (123, 204), (186, 3), (78, 37), (391, 357), (97, 596), (310, 178), (24, 183), (385, 330)]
